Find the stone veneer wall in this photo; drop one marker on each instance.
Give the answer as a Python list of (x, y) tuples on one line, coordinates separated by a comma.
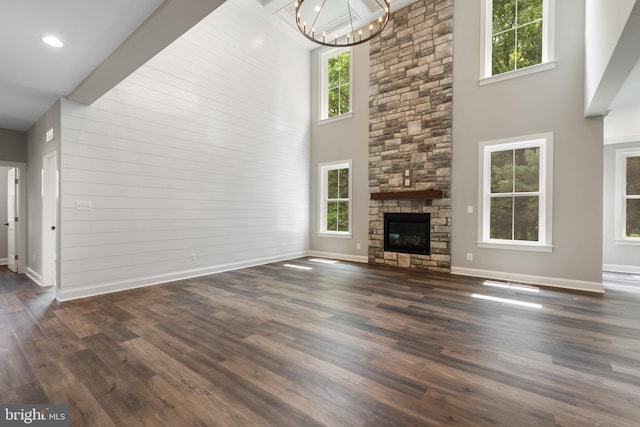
[(410, 122)]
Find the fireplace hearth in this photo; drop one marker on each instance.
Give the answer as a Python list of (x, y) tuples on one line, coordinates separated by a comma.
[(407, 233)]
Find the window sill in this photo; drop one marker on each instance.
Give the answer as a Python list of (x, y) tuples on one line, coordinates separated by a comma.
[(335, 118), (516, 246), (628, 242), (337, 235), (517, 73)]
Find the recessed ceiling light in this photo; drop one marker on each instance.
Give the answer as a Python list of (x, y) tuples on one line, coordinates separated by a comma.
[(52, 41)]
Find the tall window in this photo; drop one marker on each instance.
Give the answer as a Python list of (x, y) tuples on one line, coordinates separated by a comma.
[(335, 198), (516, 193), (517, 35), (336, 76), (628, 195)]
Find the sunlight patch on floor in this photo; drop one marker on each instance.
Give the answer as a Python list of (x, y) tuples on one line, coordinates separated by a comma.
[(324, 260), (507, 301), (515, 287), (299, 267)]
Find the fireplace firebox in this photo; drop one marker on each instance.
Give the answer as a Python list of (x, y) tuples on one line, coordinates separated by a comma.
[(407, 233)]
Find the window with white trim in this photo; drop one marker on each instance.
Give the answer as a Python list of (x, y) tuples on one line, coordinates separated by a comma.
[(517, 35), (335, 198), (516, 193), (336, 83), (628, 195)]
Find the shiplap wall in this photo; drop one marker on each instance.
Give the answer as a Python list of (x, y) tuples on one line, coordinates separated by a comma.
[(204, 150)]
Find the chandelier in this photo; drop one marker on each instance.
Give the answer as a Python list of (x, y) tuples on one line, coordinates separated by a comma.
[(322, 16)]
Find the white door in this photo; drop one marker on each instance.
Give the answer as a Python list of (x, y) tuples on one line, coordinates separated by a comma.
[(12, 242), (49, 218)]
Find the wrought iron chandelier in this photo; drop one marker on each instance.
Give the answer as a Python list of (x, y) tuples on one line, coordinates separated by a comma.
[(308, 16)]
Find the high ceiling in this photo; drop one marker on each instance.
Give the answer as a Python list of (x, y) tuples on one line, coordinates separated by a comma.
[(336, 15), (34, 75), (104, 42)]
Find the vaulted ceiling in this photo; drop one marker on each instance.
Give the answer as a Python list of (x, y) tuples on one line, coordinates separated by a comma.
[(104, 42), (33, 75)]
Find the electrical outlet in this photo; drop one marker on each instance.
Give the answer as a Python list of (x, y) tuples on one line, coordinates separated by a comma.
[(407, 182), (83, 205), (193, 257), (358, 246), (469, 209), (469, 256)]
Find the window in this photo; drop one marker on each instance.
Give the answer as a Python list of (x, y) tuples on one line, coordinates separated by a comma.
[(335, 199), (336, 87), (515, 202), (628, 195), (517, 35)]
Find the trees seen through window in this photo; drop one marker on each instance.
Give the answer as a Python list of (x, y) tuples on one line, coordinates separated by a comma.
[(632, 196), (517, 34), (514, 194), (338, 84), (338, 200)]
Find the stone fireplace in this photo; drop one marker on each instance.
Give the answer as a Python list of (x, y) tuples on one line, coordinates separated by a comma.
[(410, 119)]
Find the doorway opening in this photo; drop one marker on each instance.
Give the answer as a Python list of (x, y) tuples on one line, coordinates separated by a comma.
[(13, 205)]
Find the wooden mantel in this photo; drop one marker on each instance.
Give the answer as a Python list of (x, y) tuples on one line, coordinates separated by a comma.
[(397, 195)]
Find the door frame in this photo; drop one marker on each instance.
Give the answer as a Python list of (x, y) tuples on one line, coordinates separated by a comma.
[(21, 211), (50, 200), (13, 259)]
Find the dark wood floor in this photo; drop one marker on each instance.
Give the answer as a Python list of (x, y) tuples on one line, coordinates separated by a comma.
[(342, 344)]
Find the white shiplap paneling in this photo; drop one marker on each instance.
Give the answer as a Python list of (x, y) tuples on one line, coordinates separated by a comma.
[(204, 150)]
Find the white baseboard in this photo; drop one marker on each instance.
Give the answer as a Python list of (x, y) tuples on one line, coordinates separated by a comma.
[(557, 282), (4, 261), (613, 268), (122, 285), (342, 257), (34, 275)]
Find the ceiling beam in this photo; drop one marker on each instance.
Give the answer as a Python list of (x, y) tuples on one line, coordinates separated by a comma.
[(624, 58), (172, 19)]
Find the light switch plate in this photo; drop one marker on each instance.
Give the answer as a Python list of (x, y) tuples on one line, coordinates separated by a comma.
[(83, 205)]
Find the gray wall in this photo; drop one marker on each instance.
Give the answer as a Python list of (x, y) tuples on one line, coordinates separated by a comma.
[(342, 140), (549, 101), (625, 258), (13, 145), (37, 149)]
